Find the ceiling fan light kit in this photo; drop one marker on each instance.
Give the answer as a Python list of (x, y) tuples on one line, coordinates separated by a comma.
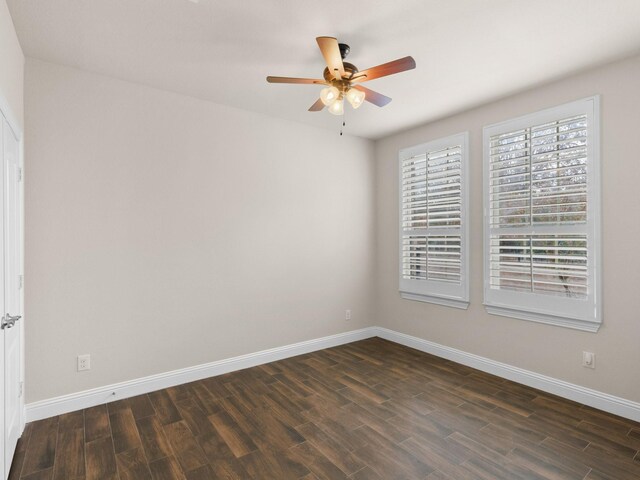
[(337, 107), (328, 95), (342, 79), (355, 97)]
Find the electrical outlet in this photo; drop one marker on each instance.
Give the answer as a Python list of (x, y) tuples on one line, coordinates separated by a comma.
[(589, 359), (347, 315), (84, 362)]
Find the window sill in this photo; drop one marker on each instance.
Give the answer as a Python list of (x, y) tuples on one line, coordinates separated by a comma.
[(445, 301), (576, 324)]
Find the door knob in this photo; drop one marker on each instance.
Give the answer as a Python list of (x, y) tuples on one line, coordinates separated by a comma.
[(9, 321)]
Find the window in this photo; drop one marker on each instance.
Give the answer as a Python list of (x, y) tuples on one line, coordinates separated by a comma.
[(542, 214), (433, 222)]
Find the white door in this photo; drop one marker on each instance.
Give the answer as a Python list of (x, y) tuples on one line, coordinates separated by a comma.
[(4, 467), (12, 284)]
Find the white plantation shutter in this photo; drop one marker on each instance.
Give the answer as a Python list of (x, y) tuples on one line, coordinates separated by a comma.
[(545, 264), (432, 228), (539, 174), (542, 216), (431, 203)]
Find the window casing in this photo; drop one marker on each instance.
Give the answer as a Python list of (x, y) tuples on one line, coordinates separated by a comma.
[(542, 216), (433, 221)]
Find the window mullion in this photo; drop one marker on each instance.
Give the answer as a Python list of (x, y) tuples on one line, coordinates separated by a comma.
[(529, 154), (531, 260), (426, 188)]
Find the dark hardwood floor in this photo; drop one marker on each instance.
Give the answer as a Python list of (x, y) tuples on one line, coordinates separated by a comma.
[(368, 410)]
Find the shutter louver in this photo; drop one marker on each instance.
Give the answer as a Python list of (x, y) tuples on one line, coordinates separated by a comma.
[(547, 264), (444, 258), (444, 198), (510, 257), (510, 179), (414, 257), (559, 265), (559, 172), (431, 216), (414, 193)]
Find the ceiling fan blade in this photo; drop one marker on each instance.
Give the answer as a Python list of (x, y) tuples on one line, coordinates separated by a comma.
[(331, 53), (397, 66), (316, 107), (295, 80), (373, 97)]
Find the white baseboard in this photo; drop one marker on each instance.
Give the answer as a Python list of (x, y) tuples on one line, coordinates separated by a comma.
[(593, 398), (96, 396), (89, 398)]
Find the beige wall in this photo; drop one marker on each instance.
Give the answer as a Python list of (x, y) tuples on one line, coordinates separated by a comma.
[(549, 350), (11, 69), (164, 231)]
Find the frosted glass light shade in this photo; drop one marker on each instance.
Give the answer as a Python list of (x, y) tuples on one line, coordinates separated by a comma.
[(355, 97), (329, 95), (337, 107)]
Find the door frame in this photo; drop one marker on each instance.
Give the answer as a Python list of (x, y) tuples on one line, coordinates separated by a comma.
[(23, 412)]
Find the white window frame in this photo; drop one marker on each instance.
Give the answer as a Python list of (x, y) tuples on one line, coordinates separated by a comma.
[(434, 291), (580, 314)]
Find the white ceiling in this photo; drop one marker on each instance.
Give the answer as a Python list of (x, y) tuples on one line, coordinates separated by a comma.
[(467, 51)]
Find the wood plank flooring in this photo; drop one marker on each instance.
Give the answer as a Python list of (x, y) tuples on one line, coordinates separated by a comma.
[(368, 410)]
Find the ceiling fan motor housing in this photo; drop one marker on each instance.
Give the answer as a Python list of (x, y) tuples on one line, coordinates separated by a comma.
[(349, 69)]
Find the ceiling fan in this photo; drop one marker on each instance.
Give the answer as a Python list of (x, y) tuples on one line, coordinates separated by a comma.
[(343, 80)]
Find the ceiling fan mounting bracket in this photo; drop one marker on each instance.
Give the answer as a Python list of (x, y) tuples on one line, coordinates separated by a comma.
[(344, 50)]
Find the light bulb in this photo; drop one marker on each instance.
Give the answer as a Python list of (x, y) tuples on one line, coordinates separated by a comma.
[(329, 95), (337, 107), (355, 97)]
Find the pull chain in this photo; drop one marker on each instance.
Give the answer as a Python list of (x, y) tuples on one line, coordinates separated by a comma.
[(343, 121)]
